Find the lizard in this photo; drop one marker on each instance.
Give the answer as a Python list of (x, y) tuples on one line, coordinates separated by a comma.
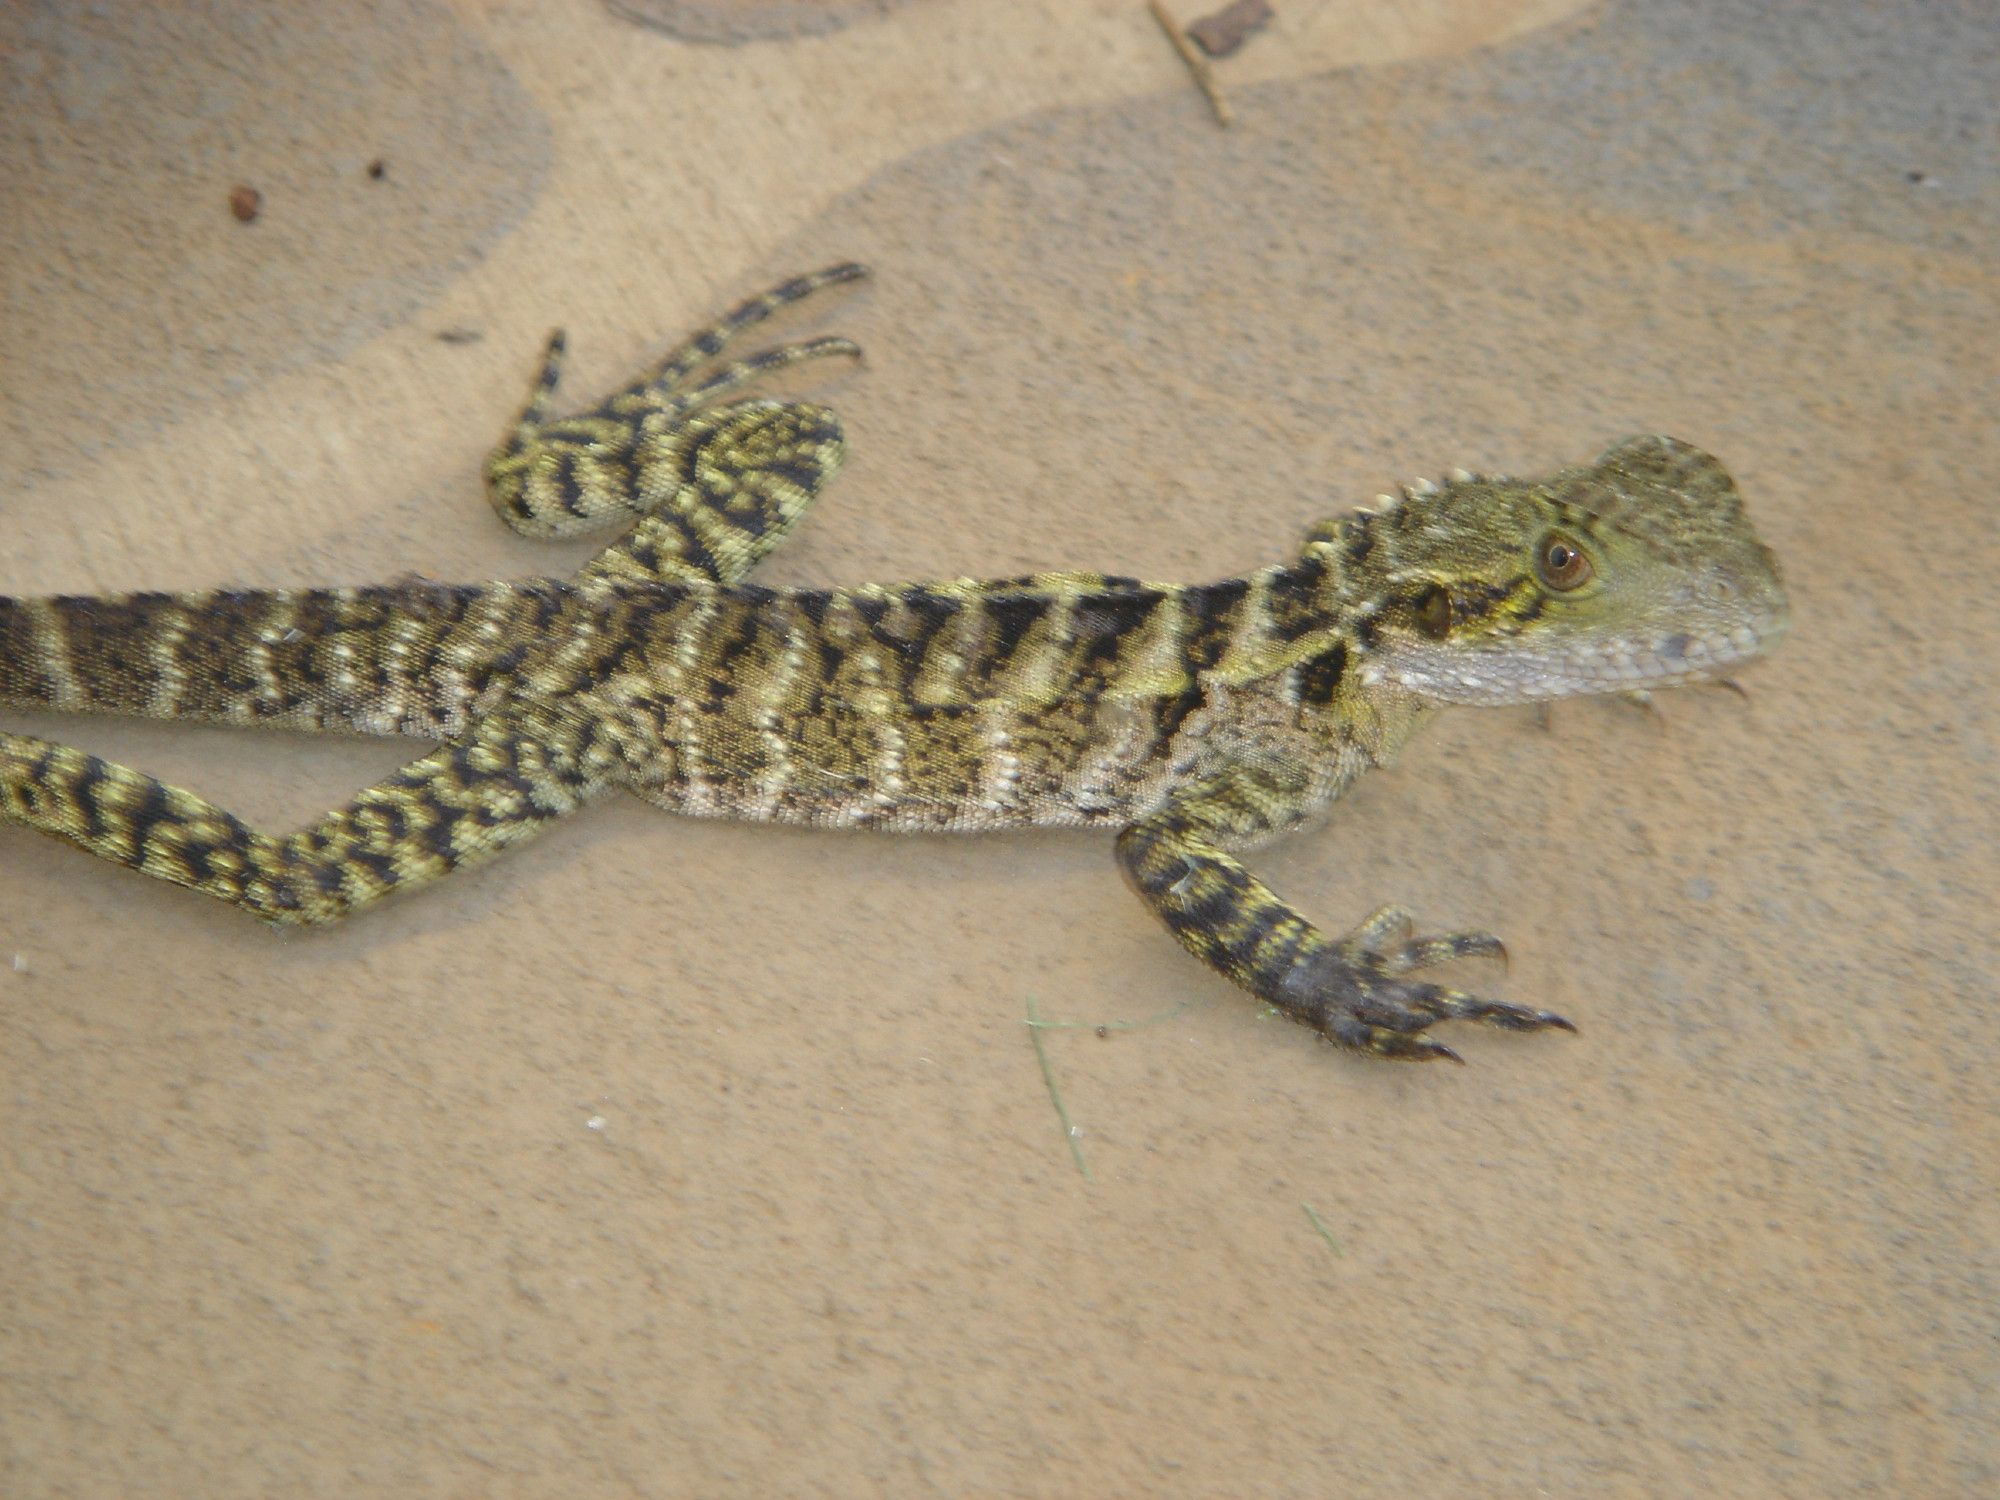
[(1190, 721)]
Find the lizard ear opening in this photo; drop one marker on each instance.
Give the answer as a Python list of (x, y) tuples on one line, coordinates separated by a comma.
[(1434, 611)]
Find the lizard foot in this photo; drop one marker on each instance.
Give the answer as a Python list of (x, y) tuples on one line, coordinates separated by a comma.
[(1359, 992)]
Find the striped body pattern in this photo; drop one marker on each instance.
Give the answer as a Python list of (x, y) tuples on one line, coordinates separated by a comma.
[(1191, 720), (960, 705)]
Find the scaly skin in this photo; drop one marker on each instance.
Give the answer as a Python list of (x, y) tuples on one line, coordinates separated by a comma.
[(1193, 720)]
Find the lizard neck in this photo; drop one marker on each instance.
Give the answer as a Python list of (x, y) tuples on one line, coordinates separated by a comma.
[(1335, 598)]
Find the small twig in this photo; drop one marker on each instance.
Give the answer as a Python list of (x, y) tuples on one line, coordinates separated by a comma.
[(1197, 65), (1055, 1095), (1324, 1233), (1101, 1026)]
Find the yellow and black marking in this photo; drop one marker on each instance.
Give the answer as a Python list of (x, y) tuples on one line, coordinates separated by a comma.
[(462, 804), (404, 658), (723, 489), (1196, 720), (1356, 991), (569, 476)]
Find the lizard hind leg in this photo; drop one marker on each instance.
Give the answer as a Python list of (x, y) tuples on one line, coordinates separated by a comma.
[(498, 784), (673, 368), (732, 482), (564, 477)]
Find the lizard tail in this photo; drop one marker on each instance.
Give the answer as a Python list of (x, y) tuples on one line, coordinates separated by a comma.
[(402, 658)]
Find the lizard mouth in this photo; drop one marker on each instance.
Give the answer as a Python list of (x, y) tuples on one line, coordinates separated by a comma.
[(1510, 674), (1679, 657)]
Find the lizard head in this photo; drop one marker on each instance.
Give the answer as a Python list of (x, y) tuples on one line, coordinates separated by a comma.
[(1638, 570)]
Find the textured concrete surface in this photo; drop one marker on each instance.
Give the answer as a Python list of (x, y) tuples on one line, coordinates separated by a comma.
[(670, 1158), (123, 132)]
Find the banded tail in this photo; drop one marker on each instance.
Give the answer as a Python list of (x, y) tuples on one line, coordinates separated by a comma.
[(402, 658)]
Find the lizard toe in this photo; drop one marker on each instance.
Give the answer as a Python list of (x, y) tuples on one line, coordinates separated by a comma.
[(1424, 952), (1438, 1003), (1388, 943), (1400, 1041)]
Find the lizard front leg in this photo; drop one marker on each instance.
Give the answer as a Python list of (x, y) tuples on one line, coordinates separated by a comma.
[(501, 782), (1360, 990)]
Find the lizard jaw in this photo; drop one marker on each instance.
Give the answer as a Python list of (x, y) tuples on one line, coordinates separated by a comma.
[(1517, 673)]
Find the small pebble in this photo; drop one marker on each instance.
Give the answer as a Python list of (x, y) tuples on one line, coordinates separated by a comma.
[(1224, 32)]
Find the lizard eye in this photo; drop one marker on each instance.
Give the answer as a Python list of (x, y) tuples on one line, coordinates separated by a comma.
[(1434, 612), (1561, 564)]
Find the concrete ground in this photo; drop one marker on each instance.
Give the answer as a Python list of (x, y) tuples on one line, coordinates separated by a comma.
[(667, 1158)]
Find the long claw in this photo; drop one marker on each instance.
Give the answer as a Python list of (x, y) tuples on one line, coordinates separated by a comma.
[(1518, 1018), (1456, 1005), (1399, 1046), (1362, 991)]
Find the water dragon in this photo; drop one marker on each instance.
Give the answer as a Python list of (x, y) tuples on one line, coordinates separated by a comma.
[(1189, 721)]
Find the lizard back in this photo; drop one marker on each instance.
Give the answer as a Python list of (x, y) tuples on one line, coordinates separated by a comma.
[(1062, 698)]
